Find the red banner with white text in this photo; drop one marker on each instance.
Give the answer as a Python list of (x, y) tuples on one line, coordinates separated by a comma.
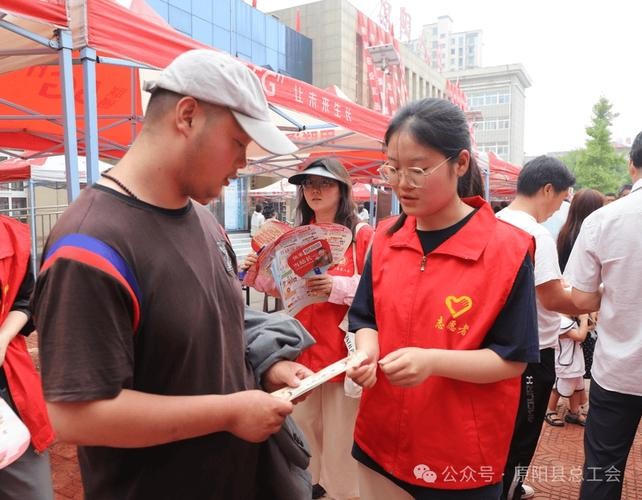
[(305, 98)]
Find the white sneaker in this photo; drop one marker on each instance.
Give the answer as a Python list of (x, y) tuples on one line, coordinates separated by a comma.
[(527, 491)]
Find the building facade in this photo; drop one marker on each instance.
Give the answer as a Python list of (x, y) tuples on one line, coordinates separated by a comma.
[(496, 95), (338, 55), (446, 50), (241, 30)]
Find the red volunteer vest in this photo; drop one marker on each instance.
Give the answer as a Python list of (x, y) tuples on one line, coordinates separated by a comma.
[(443, 433), (322, 320), (22, 378)]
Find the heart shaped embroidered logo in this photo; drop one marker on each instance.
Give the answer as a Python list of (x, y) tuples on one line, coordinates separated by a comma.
[(458, 305)]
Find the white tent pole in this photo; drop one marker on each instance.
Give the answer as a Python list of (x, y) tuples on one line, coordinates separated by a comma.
[(69, 114), (32, 227), (88, 57), (371, 212), (134, 90), (487, 182), (394, 209)]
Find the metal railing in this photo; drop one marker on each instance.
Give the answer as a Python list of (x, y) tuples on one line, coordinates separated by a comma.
[(41, 221)]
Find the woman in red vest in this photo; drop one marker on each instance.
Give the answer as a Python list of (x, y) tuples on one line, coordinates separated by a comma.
[(445, 312), (327, 416), (29, 477)]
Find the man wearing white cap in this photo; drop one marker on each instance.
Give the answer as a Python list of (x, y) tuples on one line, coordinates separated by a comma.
[(139, 309)]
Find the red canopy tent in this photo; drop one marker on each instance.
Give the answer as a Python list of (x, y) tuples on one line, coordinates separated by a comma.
[(14, 170), (361, 191), (51, 11), (503, 176), (322, 122)]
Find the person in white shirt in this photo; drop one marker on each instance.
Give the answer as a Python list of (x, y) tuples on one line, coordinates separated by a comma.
[(569, 371), (257, 219), (542, 185), (605, 272), (363, 214)]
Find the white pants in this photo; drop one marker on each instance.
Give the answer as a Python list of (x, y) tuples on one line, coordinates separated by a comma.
[(374, 486), (327, 419)]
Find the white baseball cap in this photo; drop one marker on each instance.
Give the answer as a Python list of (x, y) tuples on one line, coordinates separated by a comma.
[(217, 78), (320, 168)]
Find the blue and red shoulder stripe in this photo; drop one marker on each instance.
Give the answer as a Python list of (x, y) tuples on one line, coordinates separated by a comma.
[(98, 254)]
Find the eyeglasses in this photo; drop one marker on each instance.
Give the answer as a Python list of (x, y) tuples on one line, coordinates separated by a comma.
[(318, 183), (415, 176)]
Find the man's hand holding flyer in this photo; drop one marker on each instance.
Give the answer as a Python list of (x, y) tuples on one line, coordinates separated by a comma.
[(320, 377)]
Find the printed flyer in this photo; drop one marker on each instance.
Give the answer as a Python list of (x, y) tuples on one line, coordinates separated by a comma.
[(283, 265)]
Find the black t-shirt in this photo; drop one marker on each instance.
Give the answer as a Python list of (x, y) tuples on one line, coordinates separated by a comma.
[(190, 340)]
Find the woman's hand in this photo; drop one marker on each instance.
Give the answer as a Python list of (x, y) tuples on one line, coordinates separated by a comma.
[(250, 260), (320, 286), (407, 367), (365, 372)]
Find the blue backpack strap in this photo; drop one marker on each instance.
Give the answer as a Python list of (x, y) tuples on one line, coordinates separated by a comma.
[(98, 254)]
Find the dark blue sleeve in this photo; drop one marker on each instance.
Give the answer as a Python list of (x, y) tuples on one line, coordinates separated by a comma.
[(361, 313), (514, 336), (21, 303)]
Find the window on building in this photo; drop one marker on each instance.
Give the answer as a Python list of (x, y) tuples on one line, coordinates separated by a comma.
[(499, 148), (491, 99), (477, 101), (18, 202)]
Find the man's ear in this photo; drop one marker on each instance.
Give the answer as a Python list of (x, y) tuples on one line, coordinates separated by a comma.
[(186, 109), (633, 172), (548, 189)]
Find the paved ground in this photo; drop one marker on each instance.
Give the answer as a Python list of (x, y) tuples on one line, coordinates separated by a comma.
[(557, 461), (554, 473)]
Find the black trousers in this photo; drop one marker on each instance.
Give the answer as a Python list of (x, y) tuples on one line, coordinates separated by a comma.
[(610, 429), (537, 383)]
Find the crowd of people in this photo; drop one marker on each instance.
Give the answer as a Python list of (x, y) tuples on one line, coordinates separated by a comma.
[(471, 321)]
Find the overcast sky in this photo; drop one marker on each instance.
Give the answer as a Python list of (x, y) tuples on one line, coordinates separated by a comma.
[(574, 52)]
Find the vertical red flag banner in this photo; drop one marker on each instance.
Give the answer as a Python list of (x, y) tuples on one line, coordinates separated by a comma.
[(423, 50), (404, 24), (457, 96), (396, 93), (384, 14)]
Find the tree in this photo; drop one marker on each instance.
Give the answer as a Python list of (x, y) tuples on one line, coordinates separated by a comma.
[(598, 165)]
